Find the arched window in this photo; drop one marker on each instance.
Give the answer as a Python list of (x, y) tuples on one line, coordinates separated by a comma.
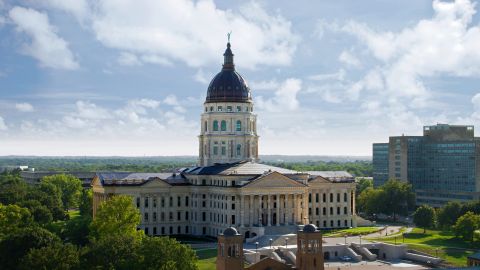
[(215, 125), (206, 126), (239, 125), (239, 149), (224, 125)]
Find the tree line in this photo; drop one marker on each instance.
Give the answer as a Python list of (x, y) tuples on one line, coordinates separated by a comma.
[(357, 168), (461, 218), (37, 232)]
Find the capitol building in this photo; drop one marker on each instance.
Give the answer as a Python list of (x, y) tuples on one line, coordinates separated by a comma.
[(230, 187)]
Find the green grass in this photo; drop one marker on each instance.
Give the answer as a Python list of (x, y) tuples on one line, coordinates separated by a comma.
[(442, 243), (352, 231), (207, 259), (73, 214)]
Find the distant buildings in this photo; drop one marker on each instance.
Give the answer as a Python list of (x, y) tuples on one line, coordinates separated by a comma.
[(442, 165)]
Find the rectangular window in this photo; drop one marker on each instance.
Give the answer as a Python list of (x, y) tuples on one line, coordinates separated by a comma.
[(239, 108), (179, 201), (146, 202), (178, 216), (224, 150), (215, 150), (171, 202), (229, 108), (220, 108), (316, 197), (154, 202)]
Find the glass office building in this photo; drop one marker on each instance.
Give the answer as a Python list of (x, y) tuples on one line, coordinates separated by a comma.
[(442, 165)]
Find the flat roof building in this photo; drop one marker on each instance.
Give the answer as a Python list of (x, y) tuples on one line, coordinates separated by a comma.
[(442, 165)]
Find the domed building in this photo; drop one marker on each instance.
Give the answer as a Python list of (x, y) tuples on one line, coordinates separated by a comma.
[(229, 187), (229, 132)]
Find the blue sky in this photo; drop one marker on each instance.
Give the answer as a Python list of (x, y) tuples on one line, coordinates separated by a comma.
[(79, 77)]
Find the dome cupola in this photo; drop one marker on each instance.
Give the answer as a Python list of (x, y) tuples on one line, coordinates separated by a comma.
[(228, 85)]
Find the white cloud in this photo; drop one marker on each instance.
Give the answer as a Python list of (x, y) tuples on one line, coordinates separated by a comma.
[(349, 59), (24, 107), (194, 32), (128, 59), (285, 98), (45, 45), (78, 8), (202, 77), (88, 110), (264, 85), (3, 126), (446, 44), (339, 76)]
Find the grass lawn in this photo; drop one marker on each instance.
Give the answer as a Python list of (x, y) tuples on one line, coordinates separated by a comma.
[(352, 231), (442, 243), (206, 258)]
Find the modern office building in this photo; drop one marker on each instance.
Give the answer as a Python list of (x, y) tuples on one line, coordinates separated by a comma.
[(442, 165), (229, 187)]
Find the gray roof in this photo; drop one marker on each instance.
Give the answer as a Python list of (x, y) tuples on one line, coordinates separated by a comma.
[(237, 168), (128, 178), (333, 176)]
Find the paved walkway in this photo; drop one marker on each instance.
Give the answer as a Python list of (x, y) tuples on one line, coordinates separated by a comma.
[(385, 231)]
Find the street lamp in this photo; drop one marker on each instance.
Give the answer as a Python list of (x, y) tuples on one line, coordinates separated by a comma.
[(360, 239), (256, 250), (345, 239), (271, 240), (286, 242)]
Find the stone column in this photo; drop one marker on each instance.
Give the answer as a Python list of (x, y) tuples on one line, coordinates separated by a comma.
[(269, 210), (278, 202), (250, 209), (287, 210), (260, 216), (306, 219), (241, 210)]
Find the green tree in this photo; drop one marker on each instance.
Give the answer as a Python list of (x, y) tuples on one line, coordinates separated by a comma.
[(466, 226), (112, 252), (86, 201), (12, 188), (77, 230), (41, 214), (398, 198), (116, 216), (18, 244), (13, 218), (69, 186), (166, 253), (448, 214), (424, 217), (370, 201), (57, 256), (51, 197), (363, 184)]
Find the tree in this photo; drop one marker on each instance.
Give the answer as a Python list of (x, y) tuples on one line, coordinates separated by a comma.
[(363, 184), (12, 188), (424, 217), (112, 252), (466, 226), (69, 186), (116, 216), (166, 253), (86, 203), (371, 200), (13, 218), (56, 256), (41, 214), (50, 196), (399, 197), (18, 244), (448, 214), (77, 230)]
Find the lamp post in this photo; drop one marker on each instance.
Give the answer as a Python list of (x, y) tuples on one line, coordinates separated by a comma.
[(286, 242), (345, 239), (271, 240), (256, 251), (360, 239)]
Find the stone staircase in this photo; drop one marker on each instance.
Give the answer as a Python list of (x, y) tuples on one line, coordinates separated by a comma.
[(277, 240), (286, 259)]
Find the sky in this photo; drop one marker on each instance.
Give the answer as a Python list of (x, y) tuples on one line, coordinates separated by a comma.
[(129, 78)]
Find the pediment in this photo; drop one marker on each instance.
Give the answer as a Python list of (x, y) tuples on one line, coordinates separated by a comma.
[(95, 181), (318, 180), (272, 180)]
